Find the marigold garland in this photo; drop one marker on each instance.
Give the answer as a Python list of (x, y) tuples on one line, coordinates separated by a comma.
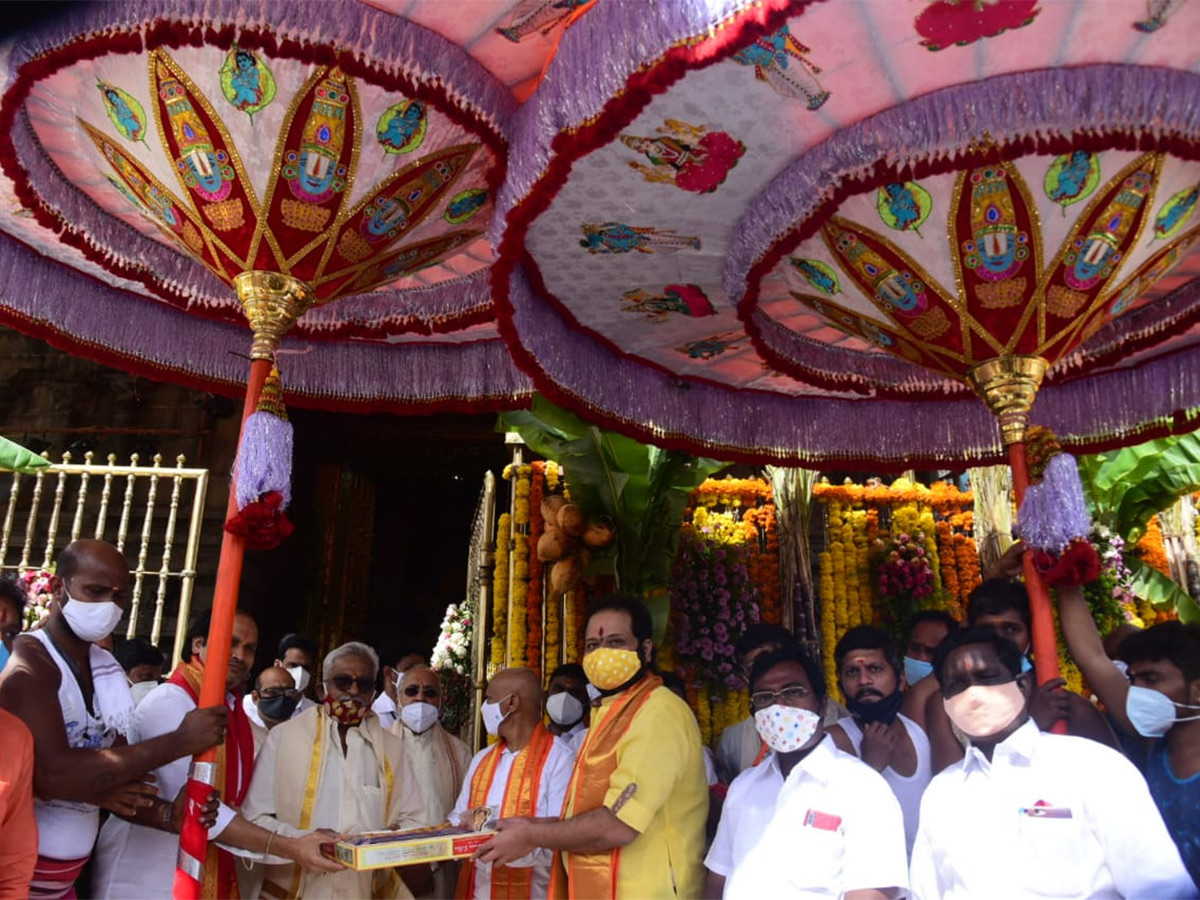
[(500, 590), (1151, 550), (518, 623), (860, 517), (536, 606)]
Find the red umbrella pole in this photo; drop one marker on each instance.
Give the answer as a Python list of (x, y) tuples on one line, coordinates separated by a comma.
[(1045, 641), (193, 839)]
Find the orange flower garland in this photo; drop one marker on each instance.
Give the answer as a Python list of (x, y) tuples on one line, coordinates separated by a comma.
[(1151, 550)]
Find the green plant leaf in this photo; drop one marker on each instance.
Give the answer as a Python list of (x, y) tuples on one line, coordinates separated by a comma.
[(15, 458), (642, 489), (1160, 590), (1126, 487)]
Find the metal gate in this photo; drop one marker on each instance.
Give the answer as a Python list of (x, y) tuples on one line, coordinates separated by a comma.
[(66, 500)]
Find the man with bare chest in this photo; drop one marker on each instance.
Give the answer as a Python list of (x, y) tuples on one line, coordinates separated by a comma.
[(869, 675)]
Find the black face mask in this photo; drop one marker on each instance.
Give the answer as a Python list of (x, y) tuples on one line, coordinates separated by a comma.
[(278, 709), (884, 710)]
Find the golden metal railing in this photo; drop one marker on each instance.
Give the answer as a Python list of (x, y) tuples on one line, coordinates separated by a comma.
[(42, 529)]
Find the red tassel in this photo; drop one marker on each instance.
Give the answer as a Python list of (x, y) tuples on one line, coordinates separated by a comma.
[(263, 525), (1078, 564)]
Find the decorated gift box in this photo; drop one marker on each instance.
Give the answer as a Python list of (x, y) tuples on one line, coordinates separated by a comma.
[(403, 847)]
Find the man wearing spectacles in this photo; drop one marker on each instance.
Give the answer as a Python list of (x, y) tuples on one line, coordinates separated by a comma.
[(396, 661), (438, 758), (275, 699), (808, 819), (335, 767)]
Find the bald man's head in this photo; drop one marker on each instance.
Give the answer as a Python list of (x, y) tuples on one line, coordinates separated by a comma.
[(91, 572), (519, 693)]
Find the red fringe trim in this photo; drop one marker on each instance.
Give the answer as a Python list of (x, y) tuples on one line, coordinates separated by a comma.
[(567, 147), (163, 33)]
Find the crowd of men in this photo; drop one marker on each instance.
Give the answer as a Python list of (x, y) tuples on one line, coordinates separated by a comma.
[(942, 775)]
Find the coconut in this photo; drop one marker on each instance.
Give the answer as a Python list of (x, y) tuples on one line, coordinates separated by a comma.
[(565, 574), (550, 507), (552, 545), (599, 534), (572, 520)]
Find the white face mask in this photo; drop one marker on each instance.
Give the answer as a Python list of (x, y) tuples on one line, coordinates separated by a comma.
[(564, 709), (786, 728), (984, 710), (492, 717), (141, 689), (419, 716), (90, 621), (299, 675), (1152, 713), (593, 692)]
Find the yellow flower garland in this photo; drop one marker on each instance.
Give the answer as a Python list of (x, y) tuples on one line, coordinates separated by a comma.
[(500, 589), (518, 625)]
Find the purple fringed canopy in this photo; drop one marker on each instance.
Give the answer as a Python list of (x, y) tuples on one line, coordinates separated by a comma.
[(720, 225), (161, 148), (779, 246)]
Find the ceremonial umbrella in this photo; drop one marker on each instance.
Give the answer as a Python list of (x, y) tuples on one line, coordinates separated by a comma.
[(326, 170), (819, 232)]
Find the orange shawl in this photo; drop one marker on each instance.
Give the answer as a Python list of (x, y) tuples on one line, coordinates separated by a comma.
[(594, 875), (520, 799)]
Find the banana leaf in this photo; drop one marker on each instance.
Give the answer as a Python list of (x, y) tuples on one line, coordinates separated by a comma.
[(642, 489), (15, 458), (1160, 590), (1126, 487)]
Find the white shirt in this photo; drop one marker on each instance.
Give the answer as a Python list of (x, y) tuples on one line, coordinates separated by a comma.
[(573, 736), (908, 789), (556, 775), (385, 707), (835, 827), (1107, 838), (134, 860), (748, 808)]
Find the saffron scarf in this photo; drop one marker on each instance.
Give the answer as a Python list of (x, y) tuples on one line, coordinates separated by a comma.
[(593, 876), (520, 799), (234, 766)]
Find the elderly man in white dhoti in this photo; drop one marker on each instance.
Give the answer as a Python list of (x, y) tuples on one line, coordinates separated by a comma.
[(334, 767)]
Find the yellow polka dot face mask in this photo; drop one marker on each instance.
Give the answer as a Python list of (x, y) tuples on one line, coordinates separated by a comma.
[(608, 668)]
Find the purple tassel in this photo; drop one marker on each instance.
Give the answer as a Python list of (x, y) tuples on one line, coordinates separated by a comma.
[(1054, 512), (264, 460)]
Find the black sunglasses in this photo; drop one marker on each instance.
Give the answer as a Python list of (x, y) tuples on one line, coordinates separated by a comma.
[(345, 682), (428, 690)]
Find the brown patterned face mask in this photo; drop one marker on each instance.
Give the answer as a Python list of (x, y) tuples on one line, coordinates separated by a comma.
[(349, 711)]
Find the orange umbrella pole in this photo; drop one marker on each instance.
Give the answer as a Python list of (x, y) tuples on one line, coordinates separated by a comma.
[(272, 303), (1045, 641), (193, 838)]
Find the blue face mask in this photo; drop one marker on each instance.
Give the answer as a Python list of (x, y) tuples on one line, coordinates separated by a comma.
[(3, 656), (916, 670), (1026, 665)]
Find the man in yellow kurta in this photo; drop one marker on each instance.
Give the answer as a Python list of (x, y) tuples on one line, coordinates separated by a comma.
[(633, 820), (334, 767)]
